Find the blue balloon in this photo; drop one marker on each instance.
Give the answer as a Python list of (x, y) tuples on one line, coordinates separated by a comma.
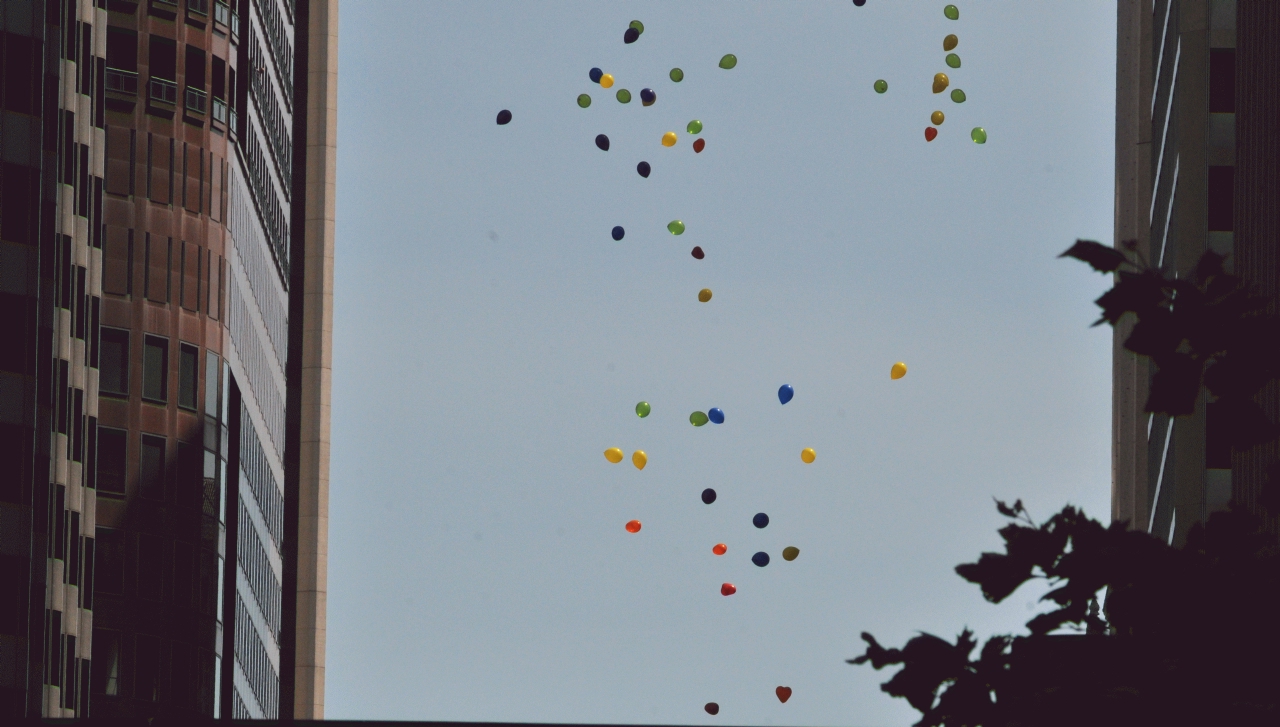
[(602, 141), (761, 559), (716, 416), (643, 168), (708, 495), (647, 96), (596, 74), (618, 232), (760, 520), (785, 393)]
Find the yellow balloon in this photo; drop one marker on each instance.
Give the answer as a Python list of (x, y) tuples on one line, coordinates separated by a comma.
[(669, 138), (613, 454), (606, 80), (807, 455), (639, 459), (950, 42), (937, 117), (704, 295), (940, 82), (898, 371)]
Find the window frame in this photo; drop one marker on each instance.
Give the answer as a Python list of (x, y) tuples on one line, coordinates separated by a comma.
[(192, 386), (104, 333), (148, 341)]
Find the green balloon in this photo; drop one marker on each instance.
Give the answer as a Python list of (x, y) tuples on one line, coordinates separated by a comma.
[(639, 26), (729, 61), (643, 409), (694, 127), (698, 418), (677, 75), (979, 135), (881, 86), (624, 96), (953, 60), (952, 12), (584, 100), (957, 95), (675, 227)]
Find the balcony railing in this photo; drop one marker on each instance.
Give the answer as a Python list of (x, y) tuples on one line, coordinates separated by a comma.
[(123, 82), (197, 100), (220, 111), (163, 91), (221, 13), (198, 7)]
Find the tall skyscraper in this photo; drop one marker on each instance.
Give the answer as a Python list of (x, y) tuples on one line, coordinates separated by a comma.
[(1197, 168), (166, 237)]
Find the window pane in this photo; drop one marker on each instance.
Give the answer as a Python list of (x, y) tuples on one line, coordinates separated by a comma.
[(109, 561), (187, 376), (106, 662), (147, 670), (151, 468), (111, 459), (155, 364), (150, 566), (113, 362), (211, 384)]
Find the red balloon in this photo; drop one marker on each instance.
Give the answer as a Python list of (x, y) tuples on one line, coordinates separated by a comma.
[(720, 549), (728, 589), (633, 526), (712, 708), (784, 693), (699, 145), (930, 133), (698, 254)]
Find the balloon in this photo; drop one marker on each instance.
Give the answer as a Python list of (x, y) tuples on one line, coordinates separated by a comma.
[(784, 693), (953, 60), (957, 96), (729, 61), (728, 589), (677, 75), (704, 295), (504, 117), (940, 82), (639, 26), (952, 12), (639, 459), (761, 559), (698, 254), (881, 86), (602, 141), (643, 409), (807, 455), (716, 415), (584, 100), (613, 454), (930, 133), (979, 135), (675, 227), (648, 96), (790, 553), (606, 81), (699, 145), (760, 520), (633, 526), (708, 495), (712, 708), (859, 3), (937, 117), (694, 127), (623, 95), (596, 74), (669, 138), (631, 36), (898, 370), (950, 42), (643, 169), (785, 392), (719, 549), (697, 419), (618, 232)]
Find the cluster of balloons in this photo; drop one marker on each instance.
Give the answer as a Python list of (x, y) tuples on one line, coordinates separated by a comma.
[(638, 458), (633, 32), (714, 415)]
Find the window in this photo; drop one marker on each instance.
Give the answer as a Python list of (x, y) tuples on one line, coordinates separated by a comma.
[(195, 67), (111, 459), (150, 567), (219, 78), (146, 685), (187, 363), (122, 48), (108, 559), (151, 467), (155, 368), (106, 662), (164, 58), (211, 384), (1222, 81), (113, 362)]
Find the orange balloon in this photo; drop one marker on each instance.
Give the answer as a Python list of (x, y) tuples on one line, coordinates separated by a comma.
[(633, 526), (720, 549)]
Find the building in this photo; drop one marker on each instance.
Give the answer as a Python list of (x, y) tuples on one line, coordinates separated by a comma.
[(1197, 168), (166, 237)]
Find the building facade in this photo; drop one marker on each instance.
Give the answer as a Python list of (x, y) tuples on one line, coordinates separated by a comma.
[(167, 248), (1196, 169)]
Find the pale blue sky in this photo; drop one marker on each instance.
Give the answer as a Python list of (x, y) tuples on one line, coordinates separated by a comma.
[(491, 340)]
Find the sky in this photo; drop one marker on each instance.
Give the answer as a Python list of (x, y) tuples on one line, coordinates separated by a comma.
[(491, 340)]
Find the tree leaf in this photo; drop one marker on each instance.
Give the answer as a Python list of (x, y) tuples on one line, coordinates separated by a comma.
[(1100, 257)]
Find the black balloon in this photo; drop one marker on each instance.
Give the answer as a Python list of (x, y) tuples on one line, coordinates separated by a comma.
[(859, 3), (647, 96), (602, 141), (761, 559), (618, 232), (708, 495), (643, 168), (760, 520), (504, 117), (630, 36)]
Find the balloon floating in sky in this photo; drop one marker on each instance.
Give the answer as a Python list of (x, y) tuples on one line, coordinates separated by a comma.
[(716, 415), (669, 138), (699, 145), (807, 455), (623, 95), (584, 100), (790, 553), (784, 693), (676, 75), (602, 141), (898, 370), (606, 81), (785, 393), (719, 549), (708, 496), (979, 135), (728, 589), (940, 82), (639, 26), (953, 60), (937, 117), (643, 169), (930, 133), (694, 127), (760, 520), (504, 117), (729, 61), (950, 42), (881, 86), (675, 227), (698, 254), (712, 708), (648, 96), (761, 559), (633, 526), (704, 295), (952, 12), (643, 409), (618, 232), (596, 75), (697, 419), (957, 96), (859, 3), (639, 459), (631, 36), (613, 454)]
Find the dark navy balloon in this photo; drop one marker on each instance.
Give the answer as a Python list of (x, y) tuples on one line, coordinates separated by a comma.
[(761, 559), (596, 74), (602, 141), (504, 117), (785, 393), (631, 36), (760, 520), (643, 168), (647, 96), (716, 416), (708, 495), (859, 3), (618, 232)]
